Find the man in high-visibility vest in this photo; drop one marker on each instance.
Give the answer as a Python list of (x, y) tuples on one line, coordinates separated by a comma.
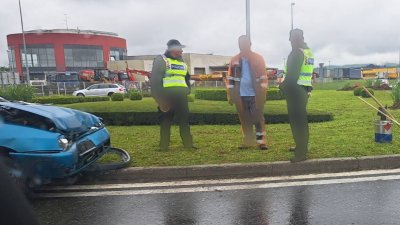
[(170, 87), (297, 88), (247, 83)]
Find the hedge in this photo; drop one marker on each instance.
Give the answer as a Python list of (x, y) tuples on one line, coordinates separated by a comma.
[(117, 97), (18, 93), (275, 94), (357, 91), (190, 98), (221, 95), (152, 118), (364, 94), (69, 99), (133, 95), (211, 94)]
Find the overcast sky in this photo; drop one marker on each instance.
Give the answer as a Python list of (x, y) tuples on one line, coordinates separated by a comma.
[(340, 31)]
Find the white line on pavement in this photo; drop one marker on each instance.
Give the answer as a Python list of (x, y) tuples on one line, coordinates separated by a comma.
[(223, 181), (219, 187)]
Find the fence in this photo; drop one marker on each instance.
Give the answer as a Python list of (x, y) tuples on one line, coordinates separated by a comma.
[(67, 88)]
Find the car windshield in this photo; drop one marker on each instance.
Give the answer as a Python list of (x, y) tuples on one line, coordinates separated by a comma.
[(24, 118)]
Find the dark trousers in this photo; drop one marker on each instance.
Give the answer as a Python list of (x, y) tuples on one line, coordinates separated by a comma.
[(179, 108), (297, 99), (251, 117)]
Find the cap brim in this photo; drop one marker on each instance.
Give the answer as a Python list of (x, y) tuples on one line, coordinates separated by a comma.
[(177, 47)]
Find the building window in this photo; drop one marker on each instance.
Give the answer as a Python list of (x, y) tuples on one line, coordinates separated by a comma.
[(11, 58), (117, 54), (38, 56), (199, 70), (83, 56)]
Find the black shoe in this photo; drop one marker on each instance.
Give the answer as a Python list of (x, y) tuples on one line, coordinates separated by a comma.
[(292, 149), (298, 159), (244, 147), (263, 147), (163, 148)]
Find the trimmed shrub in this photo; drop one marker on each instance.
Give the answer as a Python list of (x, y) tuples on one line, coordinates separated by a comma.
[(18, 93), (364, 94), (146, 94), (357, 91), (152, 118), (60, 99), (275, 94), (134, 96), (211, 94), (117, 97), (220, 94), (369, 83), (190, 98)]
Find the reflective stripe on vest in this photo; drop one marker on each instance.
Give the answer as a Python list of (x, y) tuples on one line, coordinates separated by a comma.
[(175, 73), (307, 69)]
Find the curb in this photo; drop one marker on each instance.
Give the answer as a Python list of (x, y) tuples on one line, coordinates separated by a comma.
[(239, 170)]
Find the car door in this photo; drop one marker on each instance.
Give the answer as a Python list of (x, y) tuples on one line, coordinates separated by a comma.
[(104, 89), (92, 90)]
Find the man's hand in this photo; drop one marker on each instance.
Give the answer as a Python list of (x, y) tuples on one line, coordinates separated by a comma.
[(309, 94)]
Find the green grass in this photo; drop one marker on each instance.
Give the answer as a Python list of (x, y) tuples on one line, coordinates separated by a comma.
[(351, 134), (335, 85), (198, 106)]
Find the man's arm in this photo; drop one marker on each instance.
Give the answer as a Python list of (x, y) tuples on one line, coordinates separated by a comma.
[(156, 79), (295, 61), (187, 79)]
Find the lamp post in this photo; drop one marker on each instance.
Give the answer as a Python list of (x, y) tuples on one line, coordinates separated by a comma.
[(248, 18), (291, 12), (24, 43)]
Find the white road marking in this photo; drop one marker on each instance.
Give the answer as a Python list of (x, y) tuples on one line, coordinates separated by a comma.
[(219, 184), (224, 181)]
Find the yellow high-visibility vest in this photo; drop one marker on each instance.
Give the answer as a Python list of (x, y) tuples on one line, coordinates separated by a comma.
[(307, 69), (175, 73)]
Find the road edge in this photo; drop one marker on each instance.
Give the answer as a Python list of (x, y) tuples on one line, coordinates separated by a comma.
[(241, 170)]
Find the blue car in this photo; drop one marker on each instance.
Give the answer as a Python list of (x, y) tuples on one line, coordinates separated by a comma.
[(47, 142)]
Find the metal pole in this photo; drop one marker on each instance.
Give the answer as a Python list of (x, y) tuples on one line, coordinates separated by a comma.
[(248, 18), (291, 12), (28, 78)]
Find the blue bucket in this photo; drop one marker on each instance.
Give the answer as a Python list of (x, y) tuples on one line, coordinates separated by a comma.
[(383, 131)]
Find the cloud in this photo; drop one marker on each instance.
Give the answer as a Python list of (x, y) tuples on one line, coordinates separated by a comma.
[(340, 31)]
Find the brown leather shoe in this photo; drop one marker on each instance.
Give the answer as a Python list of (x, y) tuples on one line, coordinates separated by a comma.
[(263, 147)]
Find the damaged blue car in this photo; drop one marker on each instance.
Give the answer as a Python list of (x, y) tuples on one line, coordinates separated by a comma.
[(46, 142)]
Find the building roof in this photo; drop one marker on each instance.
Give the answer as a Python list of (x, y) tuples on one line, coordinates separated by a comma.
[(72, 31)]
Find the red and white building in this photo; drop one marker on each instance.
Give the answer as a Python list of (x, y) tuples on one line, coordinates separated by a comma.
[(64, 51)]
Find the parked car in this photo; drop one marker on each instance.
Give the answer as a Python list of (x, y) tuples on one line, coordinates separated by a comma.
[(101, 90), (41, 142)]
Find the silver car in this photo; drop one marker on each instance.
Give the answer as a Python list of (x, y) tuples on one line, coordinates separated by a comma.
[(100, 90)]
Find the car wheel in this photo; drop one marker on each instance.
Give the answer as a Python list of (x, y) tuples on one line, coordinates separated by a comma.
[(80, 95), (111, 93)]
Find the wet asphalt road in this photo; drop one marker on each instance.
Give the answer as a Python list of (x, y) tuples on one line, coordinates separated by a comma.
[(365, 203)]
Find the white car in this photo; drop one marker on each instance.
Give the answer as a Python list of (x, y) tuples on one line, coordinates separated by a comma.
[(100, 90)]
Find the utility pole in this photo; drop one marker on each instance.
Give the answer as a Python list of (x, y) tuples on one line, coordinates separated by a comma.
[(284, 63), (291, 12), (28, 78), (248, 18), (66, 20)]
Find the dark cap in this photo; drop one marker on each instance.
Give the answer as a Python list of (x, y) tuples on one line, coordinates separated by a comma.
[(174, 45), (296, 33)]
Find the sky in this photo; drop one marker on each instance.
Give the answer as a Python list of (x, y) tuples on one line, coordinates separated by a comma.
[(338, 31)]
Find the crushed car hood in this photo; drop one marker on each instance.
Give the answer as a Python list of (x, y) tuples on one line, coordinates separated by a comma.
[(66, 120)]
